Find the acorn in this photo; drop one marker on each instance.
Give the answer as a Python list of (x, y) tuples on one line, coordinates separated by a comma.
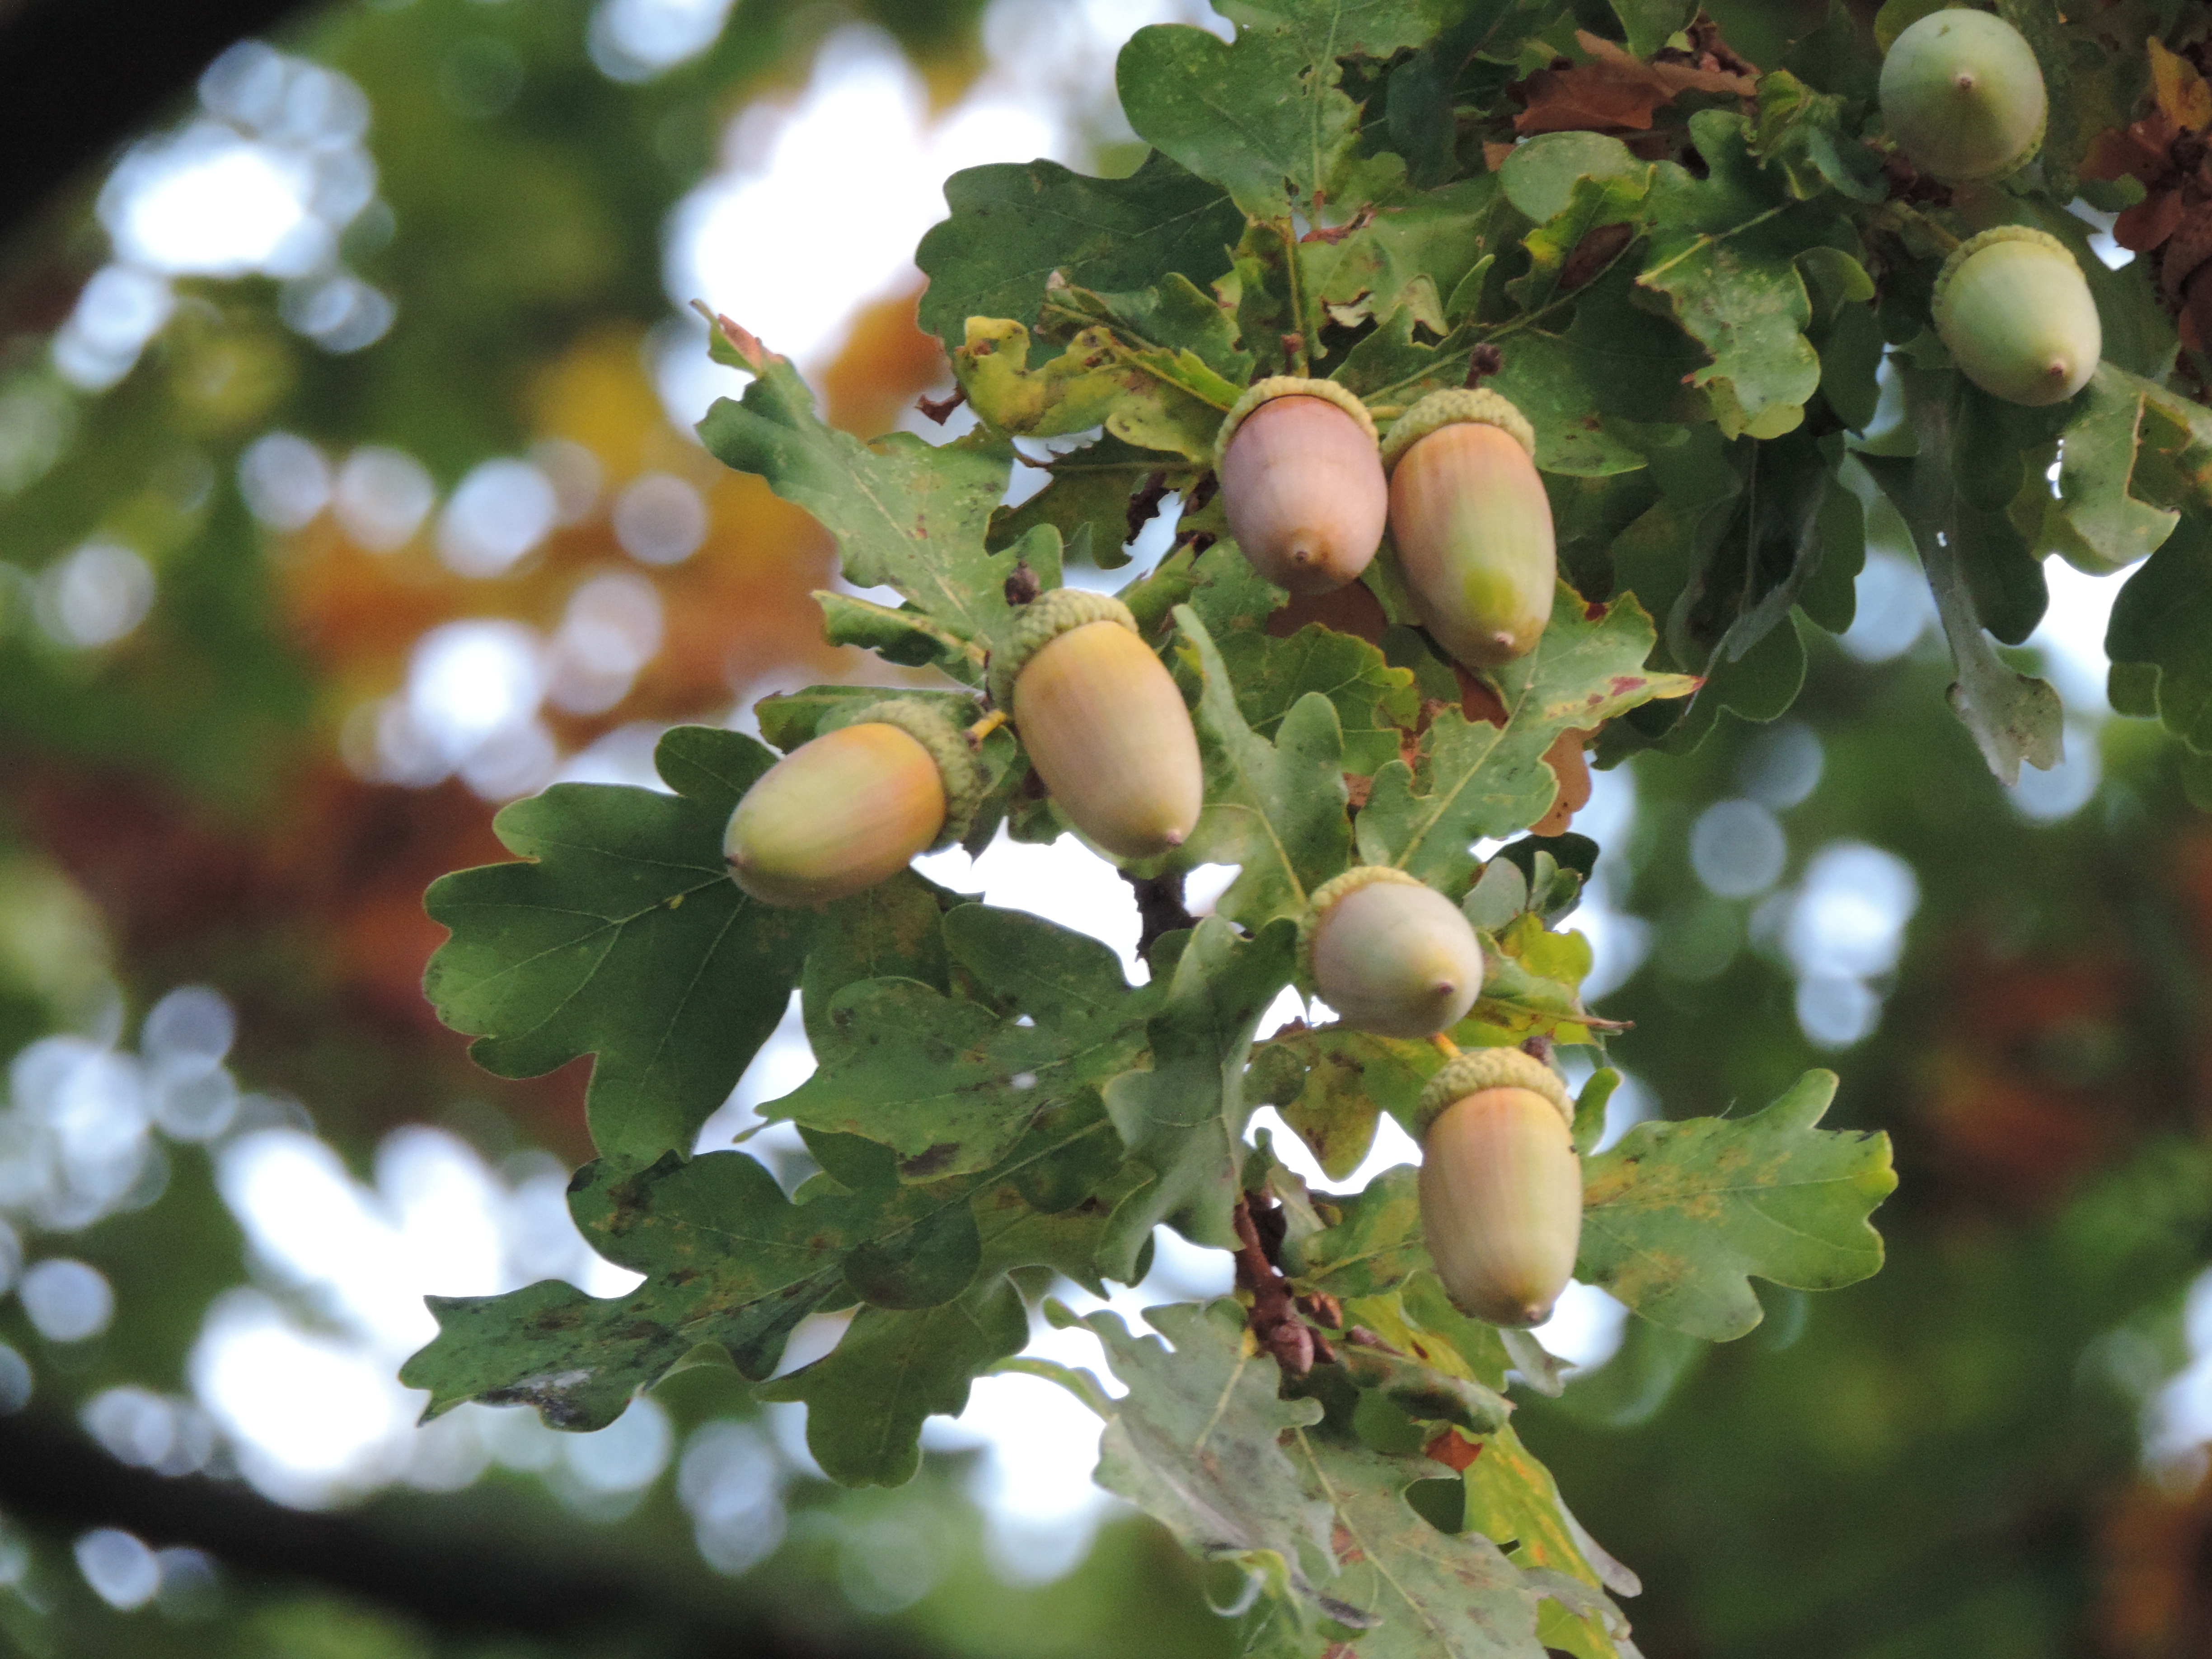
[(1963, 96), (1501, 1187), (2016, 312), (1389, 953), (1472, 525), (1303, 482), (1101, 721), (853, 806)]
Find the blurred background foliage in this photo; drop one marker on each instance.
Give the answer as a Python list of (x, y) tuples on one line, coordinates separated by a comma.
[(268, 664)]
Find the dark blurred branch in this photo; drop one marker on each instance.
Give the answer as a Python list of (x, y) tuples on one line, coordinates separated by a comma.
[(79, 77), (52, 1477), (1159, 908)]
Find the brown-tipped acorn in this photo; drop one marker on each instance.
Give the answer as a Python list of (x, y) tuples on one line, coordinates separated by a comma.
[(1389, 953), (853, 807), (1963, 96), (1472, 525), (2015, 310), (1501, 1187), (1303, 482), (1101, 721)]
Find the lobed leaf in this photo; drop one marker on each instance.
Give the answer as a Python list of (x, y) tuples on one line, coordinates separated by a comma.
[(905, 514), (1182, 1118), (1276, 809), (1679, 1217), (1193, 1441), (621, 935), (950, 1084), (1013, 225), (1480, 780), (1723, 251)]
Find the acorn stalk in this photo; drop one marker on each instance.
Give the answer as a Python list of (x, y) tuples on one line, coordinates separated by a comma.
[(1302, 483), (1389, 953), (2016, 314), (1103, 722), (1501, 1188), (1472, 525), (853, 807), (1962, 96)]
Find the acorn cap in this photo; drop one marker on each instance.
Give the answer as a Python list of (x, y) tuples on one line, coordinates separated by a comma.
[(1326, 895), (1289, 386), (1939, 307), (1442, 408), (958, 768), (1043, 620), (1478, 1069)]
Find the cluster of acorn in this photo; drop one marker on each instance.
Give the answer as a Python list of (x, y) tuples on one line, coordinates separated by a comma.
[(1307, 488), (1962, 96)]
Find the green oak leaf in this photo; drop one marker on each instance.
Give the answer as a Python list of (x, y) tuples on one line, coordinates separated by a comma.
[(1678, 1218), (1419, 1318), (620, 934), (1479, 781), (867, 1399), (1543, 173), (1277, 809), (949, 1084), (1391, 368), (2161, 632), (904, 513), (1530, 986), (1634, 366), (1374, 702), (899, 634), (1174, 330), (729, 1260), (1182, 1118), (1424, 1393), (1811, 137), (1613, 203), (1014, 224), (1425, 1594), (2014, 717), (1264, 117), (1548, 379), (1723, 252), (893, 1367), (1095, 382), (2097, 523), (1512, 1500), (1090, 496), (1193, 1443), (1374, 1244), (1345, 1079), (1414, 253)]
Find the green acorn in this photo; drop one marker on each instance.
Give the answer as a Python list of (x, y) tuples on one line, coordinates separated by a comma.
[(2017, 315), (854, 805), (1389, 953), (1302, 483), (1501, 1187), (1101, 721), (1472, 525), (1963, 96)]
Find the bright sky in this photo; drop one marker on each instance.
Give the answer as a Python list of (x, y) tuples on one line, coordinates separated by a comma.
[(299, 1370)]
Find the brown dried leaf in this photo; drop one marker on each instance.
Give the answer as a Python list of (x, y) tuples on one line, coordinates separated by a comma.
[(1614, 89)]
